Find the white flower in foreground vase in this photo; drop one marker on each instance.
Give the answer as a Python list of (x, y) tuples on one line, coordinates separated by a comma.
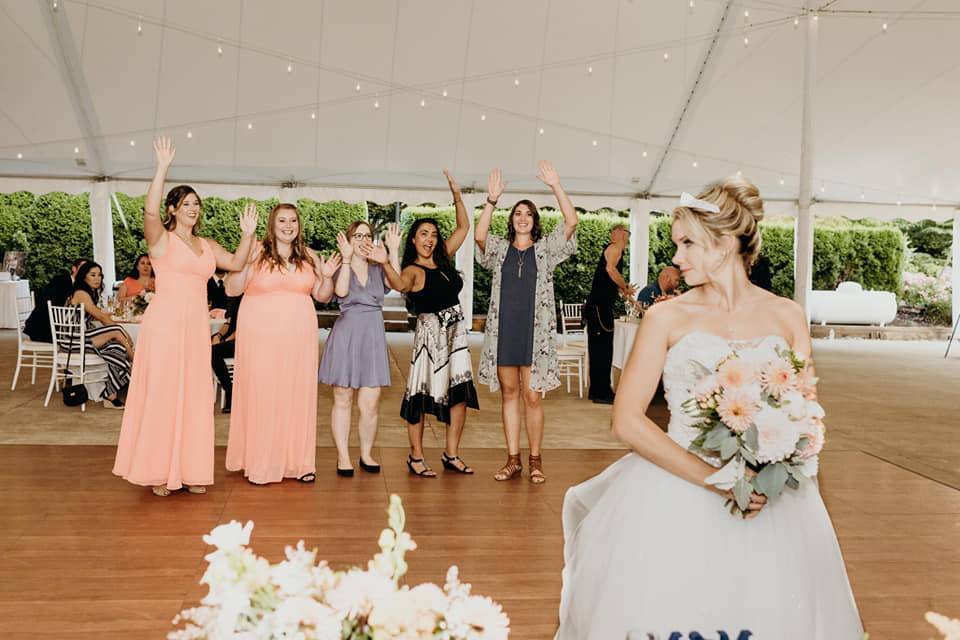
[(949, 628), (477, 618), (358, 591), (229, 537), (301, 611)]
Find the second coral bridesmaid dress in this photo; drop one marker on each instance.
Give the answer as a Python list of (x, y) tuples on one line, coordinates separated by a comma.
[(273, 422)]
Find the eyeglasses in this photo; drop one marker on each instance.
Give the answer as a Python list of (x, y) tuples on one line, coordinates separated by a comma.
[(363, 236)]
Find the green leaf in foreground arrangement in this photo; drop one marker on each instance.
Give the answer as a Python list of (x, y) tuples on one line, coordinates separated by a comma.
[(771, 479), (741, 493), (729, 447)]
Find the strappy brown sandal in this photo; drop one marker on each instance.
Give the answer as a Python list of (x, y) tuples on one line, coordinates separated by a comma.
[(536, 470), (160, 491), (511, 470)]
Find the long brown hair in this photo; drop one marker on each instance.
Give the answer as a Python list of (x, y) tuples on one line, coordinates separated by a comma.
[(269, 254), (175, 198), (536, 232)]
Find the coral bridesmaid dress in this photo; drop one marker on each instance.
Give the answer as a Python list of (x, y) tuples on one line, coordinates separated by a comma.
[(167, 433), (273, 422)]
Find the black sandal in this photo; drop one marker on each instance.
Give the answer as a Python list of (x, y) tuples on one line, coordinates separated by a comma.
[(307, 477), (427, 471), (450, 463)]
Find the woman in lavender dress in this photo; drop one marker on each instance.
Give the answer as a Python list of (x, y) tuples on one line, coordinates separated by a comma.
[(355, 357)]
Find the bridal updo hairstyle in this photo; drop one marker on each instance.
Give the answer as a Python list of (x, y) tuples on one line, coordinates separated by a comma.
[(741, 210)]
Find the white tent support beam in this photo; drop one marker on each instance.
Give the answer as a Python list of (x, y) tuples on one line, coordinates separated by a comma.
[(71, 69), (639, 242), (803, 231), (955, 262), (101, 222), (691, 95), (465, 257)]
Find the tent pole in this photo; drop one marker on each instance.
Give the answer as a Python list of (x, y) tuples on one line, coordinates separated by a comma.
[(803, 256)]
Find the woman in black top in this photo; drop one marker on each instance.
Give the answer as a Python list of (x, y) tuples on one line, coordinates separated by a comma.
[(441, 372)]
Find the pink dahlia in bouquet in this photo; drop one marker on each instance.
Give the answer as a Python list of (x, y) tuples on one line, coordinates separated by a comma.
[(757, 414)]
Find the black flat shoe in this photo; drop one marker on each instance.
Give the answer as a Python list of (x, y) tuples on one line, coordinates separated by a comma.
[(369, 468), (346, 473), (450, 463)]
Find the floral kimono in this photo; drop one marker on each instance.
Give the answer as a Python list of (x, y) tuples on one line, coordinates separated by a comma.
[(550, 251)]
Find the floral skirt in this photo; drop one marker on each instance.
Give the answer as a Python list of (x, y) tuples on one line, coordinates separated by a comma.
[(441, 372)]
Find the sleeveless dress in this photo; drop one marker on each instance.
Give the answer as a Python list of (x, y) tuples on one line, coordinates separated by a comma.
[(355, 354), (273, 423), (647, 552), (441, 371), (167, 433)]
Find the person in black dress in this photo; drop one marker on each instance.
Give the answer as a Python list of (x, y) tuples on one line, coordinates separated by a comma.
[(37, 324)]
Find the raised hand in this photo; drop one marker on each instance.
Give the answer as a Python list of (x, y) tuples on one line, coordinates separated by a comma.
[(374, 252), (495, 185), (548, 175), (328, 268), (392, 237), (346, 248), (248, 219), (454, 187), (164, 150)]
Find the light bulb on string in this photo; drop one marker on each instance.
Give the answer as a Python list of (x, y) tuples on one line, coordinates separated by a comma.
[(219, 49), (695, 164), (823, 188), (863, 196), (56, 5), (19, 156), (76, 149), (516, 82), (249, 126), (133, 142), (644, 154), (884, 27), (666, 56), (746, 41), (357, 87), (739, 173), (594, 143), (899, 202), (189, 135), (782, 182), (541, 130), (313, 115), (423, 103), (816, 17), (139, 26), (590, 68), (690, 4), (746, 13), (796, 22), (483, 117), (289, 66), (376, 103), (444, 94)]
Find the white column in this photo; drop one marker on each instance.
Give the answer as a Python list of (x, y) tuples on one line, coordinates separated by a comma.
[(955, 262), (465, 257), (101, 224), (639, 242), (803, 234)]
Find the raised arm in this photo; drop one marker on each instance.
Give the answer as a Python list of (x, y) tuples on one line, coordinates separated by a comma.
[(459, 234), (153, 229), (548, 175), (399, 280), (637, 387), (240, 258), (324, 271), (495, 187), (342, 287)]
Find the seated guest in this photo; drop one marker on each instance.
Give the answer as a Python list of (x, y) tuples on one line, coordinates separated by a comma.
[(216, 296), (37, 325), (666, 285), (103, 336), (223, 346), (141, 278)]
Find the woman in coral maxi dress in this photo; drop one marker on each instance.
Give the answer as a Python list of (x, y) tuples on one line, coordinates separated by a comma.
[(273, 422), (166, 441)]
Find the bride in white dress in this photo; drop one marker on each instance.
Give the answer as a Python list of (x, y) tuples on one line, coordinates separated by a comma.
[(650, 548)]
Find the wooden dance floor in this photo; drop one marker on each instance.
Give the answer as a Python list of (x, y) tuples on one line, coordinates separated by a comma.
[(85, 555)]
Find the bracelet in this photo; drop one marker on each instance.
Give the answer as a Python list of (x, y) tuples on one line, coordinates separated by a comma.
[(492, 203)]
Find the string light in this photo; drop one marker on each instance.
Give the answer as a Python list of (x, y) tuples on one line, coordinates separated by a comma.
[(666, 56), (695, 164), (189, 135), (644, 154), (139, 26), (289, 66), (590, 69), (746, 41), (746, 13), (313, 115), (816, 18), (376, 103), (796, 22), (739, 172), (133, 142), (823, 188), (423, 102), (782, 182), (19, 156), (219, 49), (516, 82), (899, 203), (249, 126), (444, 93), (541, 130), (594, 143), (690, 4), (76, 149), (863, 196), (357, 88), (483, 117), (56, 5), (884, 27)]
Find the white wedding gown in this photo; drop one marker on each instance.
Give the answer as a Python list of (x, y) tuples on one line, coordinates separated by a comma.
[(647, 552)]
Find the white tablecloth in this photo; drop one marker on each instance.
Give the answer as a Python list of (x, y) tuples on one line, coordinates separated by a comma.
[(133, 328), (624, 333), (10, 290)]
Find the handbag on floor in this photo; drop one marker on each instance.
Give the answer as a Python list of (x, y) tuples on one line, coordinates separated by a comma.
[(74, 395)]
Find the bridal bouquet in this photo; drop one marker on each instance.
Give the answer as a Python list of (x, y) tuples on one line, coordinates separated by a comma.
[(304, 599), (139, 302), (757, 412)]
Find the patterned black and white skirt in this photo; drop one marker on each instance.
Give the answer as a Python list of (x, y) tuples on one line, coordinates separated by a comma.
[(441, 372), (112, 353)]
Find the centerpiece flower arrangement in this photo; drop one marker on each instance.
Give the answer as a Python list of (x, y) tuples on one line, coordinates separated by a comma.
[(140, 302), (305, 599), (757, 412)]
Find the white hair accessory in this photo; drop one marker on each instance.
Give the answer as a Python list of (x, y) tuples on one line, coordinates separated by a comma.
[(687, 200)]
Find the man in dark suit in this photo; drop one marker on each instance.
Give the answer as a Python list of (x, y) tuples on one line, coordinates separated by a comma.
[(216, 296), (57, 291)]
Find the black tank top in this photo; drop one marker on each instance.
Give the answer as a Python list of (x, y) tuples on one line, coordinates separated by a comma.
[(604, 290), (440, 291)]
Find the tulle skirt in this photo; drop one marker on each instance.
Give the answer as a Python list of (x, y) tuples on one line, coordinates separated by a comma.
[(649, 553)]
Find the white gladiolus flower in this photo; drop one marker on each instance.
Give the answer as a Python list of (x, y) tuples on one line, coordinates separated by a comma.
[(477, 618), (777, 434), (228, 537), (358, 591), (293, 612), (728, 475), (950, 629)]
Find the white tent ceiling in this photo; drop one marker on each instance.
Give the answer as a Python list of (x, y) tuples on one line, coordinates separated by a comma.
[(94, 80)]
